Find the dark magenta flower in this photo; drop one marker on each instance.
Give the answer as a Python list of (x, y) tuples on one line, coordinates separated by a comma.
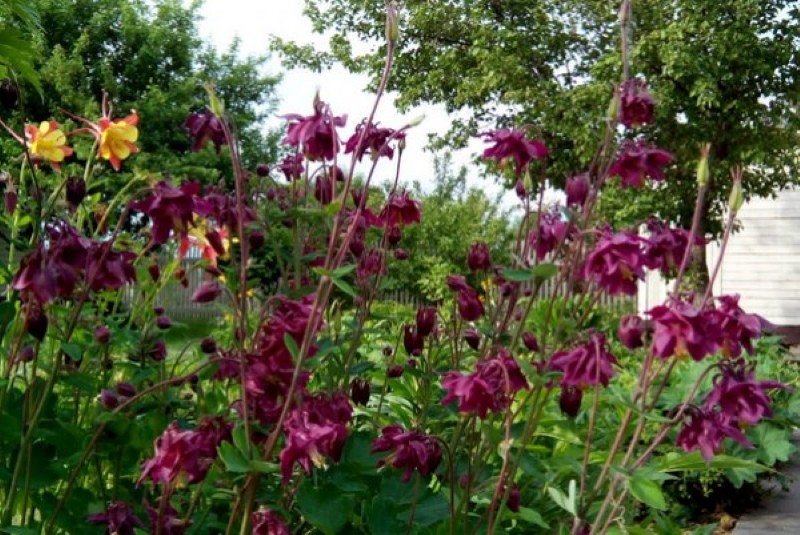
[(616, 263), (315, 135), (410, 450), (570, 400), (166, 522), (512, 144), (204, 127), (36, 321), (323, 190), (400, 209), (426, 320), (292, 166), (108, 399), (207, 292), (208, 345), (262, 170), (470, 307), (169, 208), (664, 247), (519, 189), (530, 341), (375, 141), (631, 331), (680, 329), (395, 371), (514, 499), (705, 431), (589, 364), (577, 189), (637, 161), (158, 350), (413, 342), (125, 390), (109, 269), (266, 522), (739, 328), (472, 338), (490, 388), (552, 232), (741, 398), (479, 258), (75, 191), (10, 200), (188, 453), (163, 322), (316, 430), (119, 519), (356, 245), (370, 263), (360, 390), (102, 334), (457, 283), (636, 105), (394, 235)]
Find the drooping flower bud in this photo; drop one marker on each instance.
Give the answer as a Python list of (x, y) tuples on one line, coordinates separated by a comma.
[(208, 345), (36, 322), (126, 390), (570, 400), (392, 23), (413, 342), (577, 189), (10, 200), (155, 271), (530, 341), (631, 331), (357, 246), (163, 322), (736, 198), (401, 254), (158, 351), (514, 498), (262, 170), (426, 320), (393, 235), (472, 338), (519, 188), (207, 292), (256, 240), (359, 391), (75, 191), (215, 241), (108, 399), (479, 258), (102, 334), (394, 371)]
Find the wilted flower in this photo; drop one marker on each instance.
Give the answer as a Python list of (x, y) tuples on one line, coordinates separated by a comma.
[(204, 127), (426, 320), (636, 105), (375, 141), (457, 283), (315, 134), (637, 161), (400, 209), (705, 431), (616, 262), (316, 430), (680, 329), (589, 364), (489, 388), (631, 331), (577, 189), (512, 144), (740, 397), (119, 517), (266, 522), (479, 258), (166, 521), (411, 451)]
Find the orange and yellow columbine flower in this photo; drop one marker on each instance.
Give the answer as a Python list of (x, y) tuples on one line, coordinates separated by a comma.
[(213, 243), (47, 142), (117, 139)]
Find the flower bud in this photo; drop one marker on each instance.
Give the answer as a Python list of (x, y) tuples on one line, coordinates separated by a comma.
[(736, 198), (392, 25), (256, 240), (359, 391), (208, 345), (108, 399), (388, 351), (357, 246), (426, 320), (411, 363), (479, 258), (393, 235), (401, 254), (36, 323), (215, 241), (216, 105), (514, 498), (159, 310), (530, 341), (10, 200), (158, 351), (394, 371), (207, 292), (163, 322), (26, 354), (519, 188), (180, 276), (155, 271), (613, 107), (102, 334), (702, 166), (262, 170), (126, 390), (631, 331), (75, 191), (413, 342), (577, 189), (472, 338), (570, 400)]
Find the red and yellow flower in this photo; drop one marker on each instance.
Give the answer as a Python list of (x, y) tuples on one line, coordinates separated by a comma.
[(47, 142), (116, 139)]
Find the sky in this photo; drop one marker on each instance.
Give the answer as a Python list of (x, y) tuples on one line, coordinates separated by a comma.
[(254, 21)]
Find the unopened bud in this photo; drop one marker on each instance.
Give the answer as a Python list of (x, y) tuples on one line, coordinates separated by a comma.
[(612, 114), (214, 102), (736, 199), (392, 28), (416, 121), (702, 166)]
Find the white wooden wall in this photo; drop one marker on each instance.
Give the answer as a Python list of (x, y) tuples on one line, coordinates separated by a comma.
[(762, 261)]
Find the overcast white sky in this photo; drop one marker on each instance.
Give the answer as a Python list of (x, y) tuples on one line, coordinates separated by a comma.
[(253, 21)]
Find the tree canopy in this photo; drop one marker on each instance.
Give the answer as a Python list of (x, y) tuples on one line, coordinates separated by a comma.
[(721, 72)]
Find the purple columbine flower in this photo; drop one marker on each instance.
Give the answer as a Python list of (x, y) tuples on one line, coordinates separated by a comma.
[(315, 134), (616, 262), (570, 399), (637, 161), (636, 104), (207, 292), (631, 331), (169, 208), (360, 390), (413, 342), (119, 519), (410, 450), (589, 364), (400, 209), (513, 145), (680, 329), (426, 320), (470, 307), (741, 398), (375, 141), (204, 127), (292, 167), (577, 190), (664, 248), (705, 430), (266, 522), (739, 328), (490, 388), (551, 232), (479, 258)]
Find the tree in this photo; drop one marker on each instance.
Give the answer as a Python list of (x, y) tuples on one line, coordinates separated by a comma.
[(721, 72), (453, 217), (148, 57)]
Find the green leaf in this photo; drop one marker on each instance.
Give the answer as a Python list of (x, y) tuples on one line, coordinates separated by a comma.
[(538, 273), (291, 345), (73, 351), (325, 507), (647, 491), (532, 517), (382, 517), (234, 461), (344, 286), (568, 502), (239, 435), (263, 467)]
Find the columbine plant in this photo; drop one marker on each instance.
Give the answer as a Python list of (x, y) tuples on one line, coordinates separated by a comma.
[(505, 408)]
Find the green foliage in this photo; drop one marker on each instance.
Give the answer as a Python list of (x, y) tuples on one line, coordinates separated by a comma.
[(721, 72)]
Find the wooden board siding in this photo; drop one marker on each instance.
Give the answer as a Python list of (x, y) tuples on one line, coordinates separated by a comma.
[(762, 262)]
